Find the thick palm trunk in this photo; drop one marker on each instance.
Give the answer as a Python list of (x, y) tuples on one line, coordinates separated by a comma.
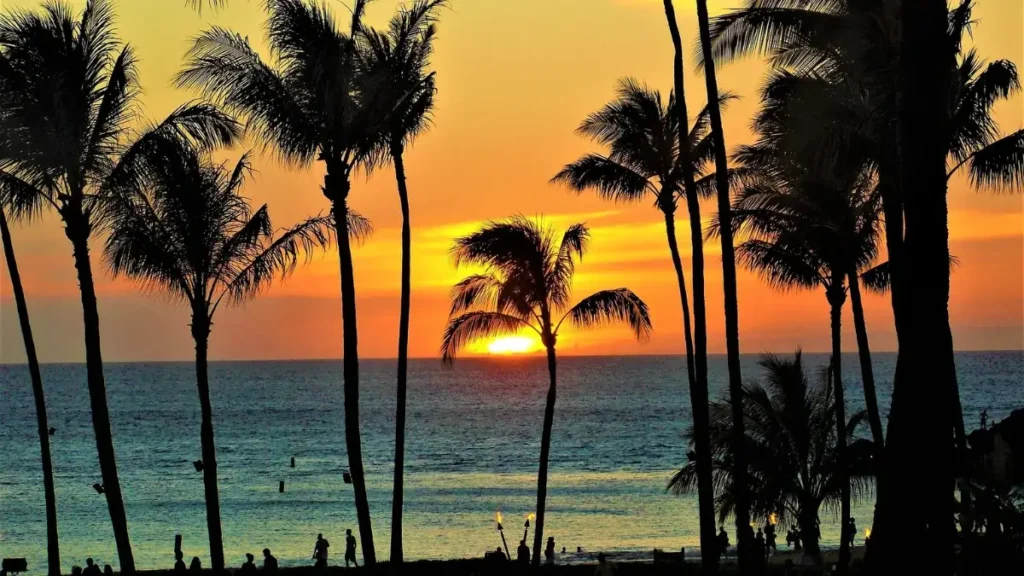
[(809, 532), (77, 230), (921, 452), (201, 335), (52, 540), (732, 322), (545, 449), (701, 419), (699, 375), (836, 298), (403, 362), (337, 188)]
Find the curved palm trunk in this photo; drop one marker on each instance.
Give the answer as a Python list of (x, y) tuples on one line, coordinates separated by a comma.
[(403, 362), (699, 372), (545, 449), (77, 230), (338, 193), (836, 298), (866, 371), (201, 335), (701, 418), (732, 322), (52, 540)]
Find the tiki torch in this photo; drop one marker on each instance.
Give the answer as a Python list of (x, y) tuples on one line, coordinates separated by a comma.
[(501, 530), (526, 527)]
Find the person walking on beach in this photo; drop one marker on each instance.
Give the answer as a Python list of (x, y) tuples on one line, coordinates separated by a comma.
[(350, 549), (269, 562), (249, 567), (523, 553), (91, 569), (320, 551), (769, 538), (723, 540), (179, 562), (851, 531), (549, 550)]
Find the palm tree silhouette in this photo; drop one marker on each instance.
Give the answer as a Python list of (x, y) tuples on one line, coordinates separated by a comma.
[(645, 162), (396, 62), (791, 447), (23, 203), (69, 104), (193, 236), (309, 104), (526, 282), (809, 228)]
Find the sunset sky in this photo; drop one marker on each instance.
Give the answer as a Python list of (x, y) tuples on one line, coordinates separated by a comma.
[(514, 80)]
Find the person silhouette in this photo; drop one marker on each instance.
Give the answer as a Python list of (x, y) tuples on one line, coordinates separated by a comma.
[(759, 544), (249, 566), (91, 569), (604, 568), (76, 570), (523, 553), (196, 565), (179, 561), (549, 550), (769, 538), (108, 570), (320, 550), (499, 555), (350, 548), (269, 562), (851, 531), (723, 540)]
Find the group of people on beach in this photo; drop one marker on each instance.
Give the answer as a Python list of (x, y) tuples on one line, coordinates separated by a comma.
[(92, 569), (320, 548), (523, 553)]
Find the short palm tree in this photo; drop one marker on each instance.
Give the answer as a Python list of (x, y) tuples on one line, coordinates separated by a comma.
[(646, 163), (68, 114), (791, 450), (396, 62), (192, 235), (9, 203), (308, 104), (526, 283)]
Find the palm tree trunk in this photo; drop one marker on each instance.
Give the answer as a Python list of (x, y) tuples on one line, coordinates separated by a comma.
[(77, 230), (701, 419), (338, 187), (866, 371), (699, 348), (201, 335), (836, 298), (545, 448), (52, 540), (403, 362), (732, 322), (922, 452), (809, 532)]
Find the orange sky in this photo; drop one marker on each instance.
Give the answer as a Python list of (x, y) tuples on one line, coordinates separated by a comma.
[(514, 80)]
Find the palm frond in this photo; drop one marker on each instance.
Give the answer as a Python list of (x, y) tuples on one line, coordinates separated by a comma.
[(1000, 164), (611, 306), (475, 325), (611, 181)]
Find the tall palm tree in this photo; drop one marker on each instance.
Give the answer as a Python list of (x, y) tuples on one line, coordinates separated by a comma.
[(191, 234), (645, 162), (526, 282), (731, 297), (69, 104), (397, 62), (791, 446), (10, 201), (308, 104), (807, 229)]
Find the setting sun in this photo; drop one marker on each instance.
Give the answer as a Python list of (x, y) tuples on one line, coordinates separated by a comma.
[(511, 345)]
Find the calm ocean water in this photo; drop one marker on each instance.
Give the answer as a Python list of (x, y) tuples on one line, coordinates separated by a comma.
[(473, 441)]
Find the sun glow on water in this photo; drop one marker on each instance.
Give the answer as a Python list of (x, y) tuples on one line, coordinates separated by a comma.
[(511, 345)]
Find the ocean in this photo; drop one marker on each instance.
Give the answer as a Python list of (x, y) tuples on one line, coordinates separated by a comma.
[(473, 442)]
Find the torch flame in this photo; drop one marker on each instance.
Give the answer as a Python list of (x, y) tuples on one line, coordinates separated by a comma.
[(531, 516), (498, 517), (867, 532), (773, 518)]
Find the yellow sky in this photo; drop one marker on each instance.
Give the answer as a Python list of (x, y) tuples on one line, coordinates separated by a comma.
[(515, 77)]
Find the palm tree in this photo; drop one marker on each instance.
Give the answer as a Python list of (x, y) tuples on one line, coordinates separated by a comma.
[(731, 298), (69, 103), (526, 282), (10, 197), (308, 104), (192, 235), (807, 229), (791, 448), (645, 162), (396, 62)]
